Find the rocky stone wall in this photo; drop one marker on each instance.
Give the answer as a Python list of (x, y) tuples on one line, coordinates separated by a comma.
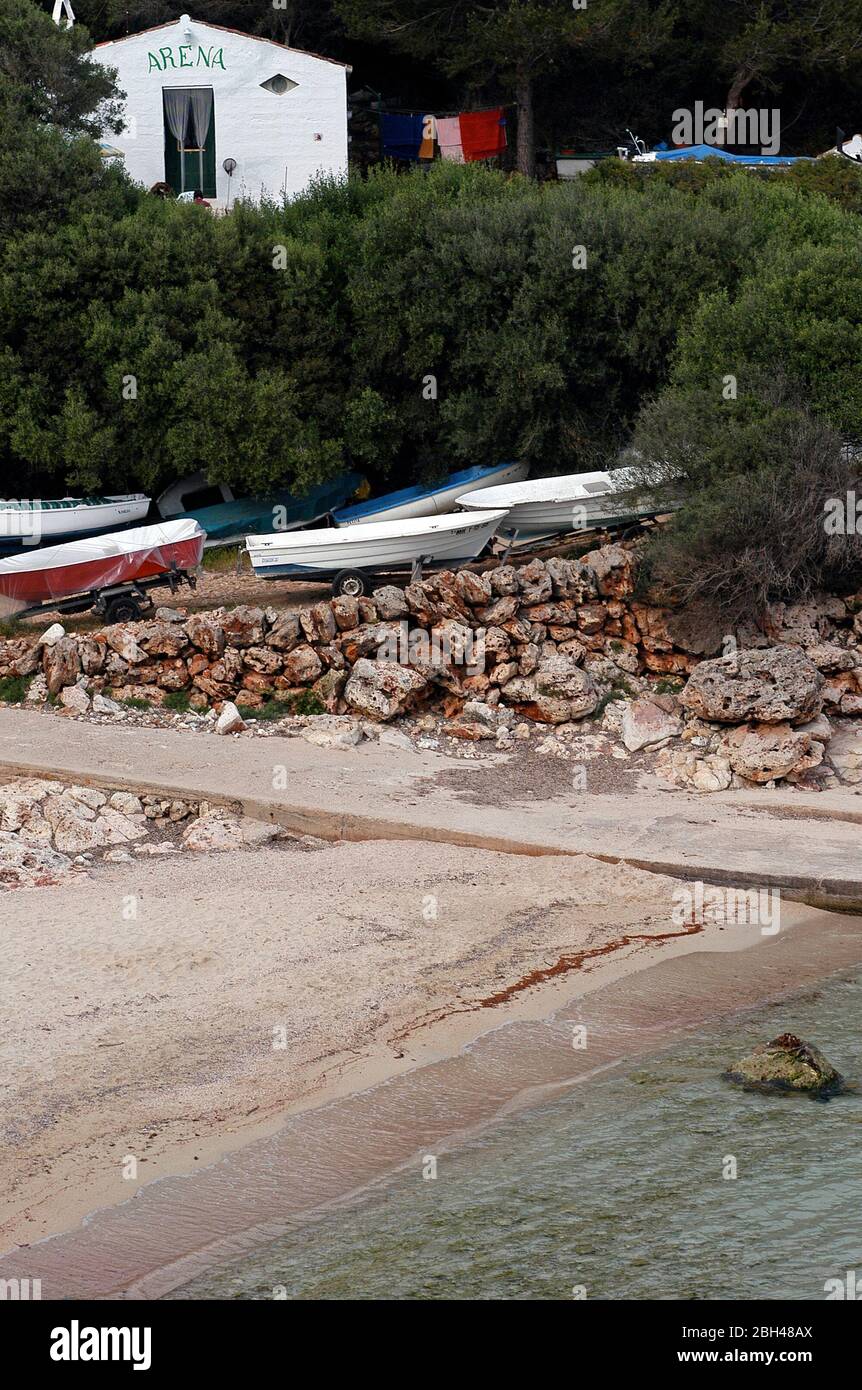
[(551, 639)]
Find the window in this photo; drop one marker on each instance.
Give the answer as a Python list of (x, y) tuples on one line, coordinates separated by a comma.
[(279, 84)]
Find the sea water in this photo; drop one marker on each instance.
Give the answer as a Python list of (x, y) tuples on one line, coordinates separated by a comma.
[(659, 1181)]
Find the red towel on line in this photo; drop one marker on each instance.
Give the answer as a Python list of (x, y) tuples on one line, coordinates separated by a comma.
[(483, 134)]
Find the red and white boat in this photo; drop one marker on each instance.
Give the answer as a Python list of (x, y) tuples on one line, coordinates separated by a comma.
[(101, 562)]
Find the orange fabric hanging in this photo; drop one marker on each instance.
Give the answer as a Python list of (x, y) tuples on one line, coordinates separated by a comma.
[(483, 134), (429, 137)]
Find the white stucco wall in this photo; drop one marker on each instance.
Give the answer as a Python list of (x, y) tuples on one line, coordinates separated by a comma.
[(279, 142)]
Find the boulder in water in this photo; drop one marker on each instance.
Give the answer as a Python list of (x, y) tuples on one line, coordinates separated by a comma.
[(786, 1064)]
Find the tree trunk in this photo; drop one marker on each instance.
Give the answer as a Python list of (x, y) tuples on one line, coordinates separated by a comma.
[(738, 85), (526, 152)]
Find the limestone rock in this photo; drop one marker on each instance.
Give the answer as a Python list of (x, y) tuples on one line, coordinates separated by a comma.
[(263, 660), (302, 665), (341, 735), (230, 721), (75, 698), (770, 686), (645, 723), (285, 633), (614, 569), (92, 653), (19, 799), (830, 657), (382, 689), (115, 828), (845, 754), (123, 641), (215, 830), (329, 688), (102, 705), (206, 634), (682, 767), (390, 602), (768, 752), (345, 611), (51, 635), (37, 691), (786, 1064), (30, 866), (244, 626), (162, 639), (561, 678), (61, 664), (474, 589)]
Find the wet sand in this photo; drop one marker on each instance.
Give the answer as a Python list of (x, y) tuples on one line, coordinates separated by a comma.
[(460, 1077)]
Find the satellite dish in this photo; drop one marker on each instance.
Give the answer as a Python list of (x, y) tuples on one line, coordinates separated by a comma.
[(229, 165)]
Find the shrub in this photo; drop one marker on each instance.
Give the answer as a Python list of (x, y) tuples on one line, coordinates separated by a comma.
[(757, 474), (13, 689)]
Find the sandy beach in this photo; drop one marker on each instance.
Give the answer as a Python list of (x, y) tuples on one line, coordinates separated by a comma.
[(253, 988), (161, 1045), (173, 1010)]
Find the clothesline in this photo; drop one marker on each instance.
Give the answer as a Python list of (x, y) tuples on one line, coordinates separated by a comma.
[(412, 111), (463, 138)]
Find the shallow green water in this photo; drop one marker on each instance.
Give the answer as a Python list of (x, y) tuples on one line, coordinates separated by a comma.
[(618, 1187)]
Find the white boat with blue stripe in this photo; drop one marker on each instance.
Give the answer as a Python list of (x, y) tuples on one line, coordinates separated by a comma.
[(429, 501)]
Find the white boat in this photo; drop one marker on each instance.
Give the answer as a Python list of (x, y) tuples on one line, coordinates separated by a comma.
[(429, 501), (67, 518), (554, 506), (353, 555)]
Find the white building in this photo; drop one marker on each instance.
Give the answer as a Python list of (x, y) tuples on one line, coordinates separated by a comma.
[(199, 94)]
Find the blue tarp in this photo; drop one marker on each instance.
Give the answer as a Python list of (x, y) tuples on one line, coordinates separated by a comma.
[(714, 152)]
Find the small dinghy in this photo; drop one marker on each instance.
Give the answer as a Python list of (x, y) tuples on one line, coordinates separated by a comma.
[(31, 523), (555, 506), (429, 501), (353, 555), (88, 567)]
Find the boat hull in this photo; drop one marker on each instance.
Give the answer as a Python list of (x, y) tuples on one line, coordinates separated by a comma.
[(25, 524), (229, 522), (418, 502), (85, 566), (374, 548), (548, 507)]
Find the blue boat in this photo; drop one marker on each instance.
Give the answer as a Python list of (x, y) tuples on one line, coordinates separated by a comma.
[(429, 501), (227, 518)]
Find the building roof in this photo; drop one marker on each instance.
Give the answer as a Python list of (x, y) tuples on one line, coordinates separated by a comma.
[(224, 29)]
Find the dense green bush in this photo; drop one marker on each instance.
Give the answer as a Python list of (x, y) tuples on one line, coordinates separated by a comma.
[(281, 343)]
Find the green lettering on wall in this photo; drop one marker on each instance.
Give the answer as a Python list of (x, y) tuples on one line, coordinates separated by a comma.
[(188, 58)]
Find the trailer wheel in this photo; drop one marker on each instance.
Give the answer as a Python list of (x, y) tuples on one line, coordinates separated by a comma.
[(350, 584), (122, 610)]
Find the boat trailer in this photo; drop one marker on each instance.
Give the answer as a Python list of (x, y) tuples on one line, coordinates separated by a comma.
[(116, 603)]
